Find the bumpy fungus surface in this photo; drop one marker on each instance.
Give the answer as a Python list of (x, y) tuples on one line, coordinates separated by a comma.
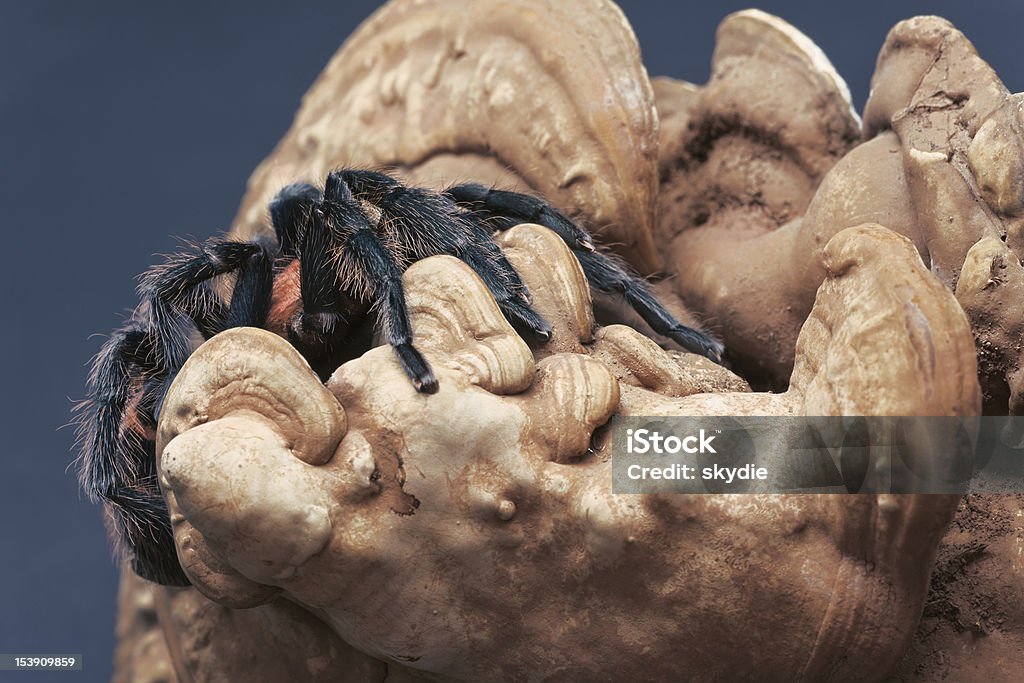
[(759, 166), (472, 534), (528, 94), (375, 533)]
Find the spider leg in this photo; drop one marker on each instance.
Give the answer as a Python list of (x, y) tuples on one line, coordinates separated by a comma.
[(251, 295), (608, 275), (483, 239), (323, 320), (118, 462), (512, 208), (110, 388), (130, 377), (605, 273), (526, 320), (424, 221), (427, 223), (179, 300), (141, 515), (319, 280), (368, 261), (289, 212)]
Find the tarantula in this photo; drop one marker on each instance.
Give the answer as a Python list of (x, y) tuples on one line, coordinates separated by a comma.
[(339, 255)]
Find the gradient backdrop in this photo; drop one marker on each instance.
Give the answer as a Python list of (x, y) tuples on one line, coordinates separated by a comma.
[(124, 124)]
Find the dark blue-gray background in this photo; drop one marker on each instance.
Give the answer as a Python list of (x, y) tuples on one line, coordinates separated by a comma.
[(123, 124)]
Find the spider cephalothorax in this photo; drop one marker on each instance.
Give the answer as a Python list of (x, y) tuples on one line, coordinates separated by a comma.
[(340, 254)]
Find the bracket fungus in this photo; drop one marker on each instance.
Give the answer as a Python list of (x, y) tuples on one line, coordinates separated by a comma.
[(483, 512), (376, 533), (770, 183), (440, 91)]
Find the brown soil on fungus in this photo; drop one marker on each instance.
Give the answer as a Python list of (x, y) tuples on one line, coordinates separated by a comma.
[(973, 612)]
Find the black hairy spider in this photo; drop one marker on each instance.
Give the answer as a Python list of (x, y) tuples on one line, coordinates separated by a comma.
[(340, 254)]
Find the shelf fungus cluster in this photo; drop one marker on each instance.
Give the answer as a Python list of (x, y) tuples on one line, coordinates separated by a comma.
[(939, 159), (374, 532)]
